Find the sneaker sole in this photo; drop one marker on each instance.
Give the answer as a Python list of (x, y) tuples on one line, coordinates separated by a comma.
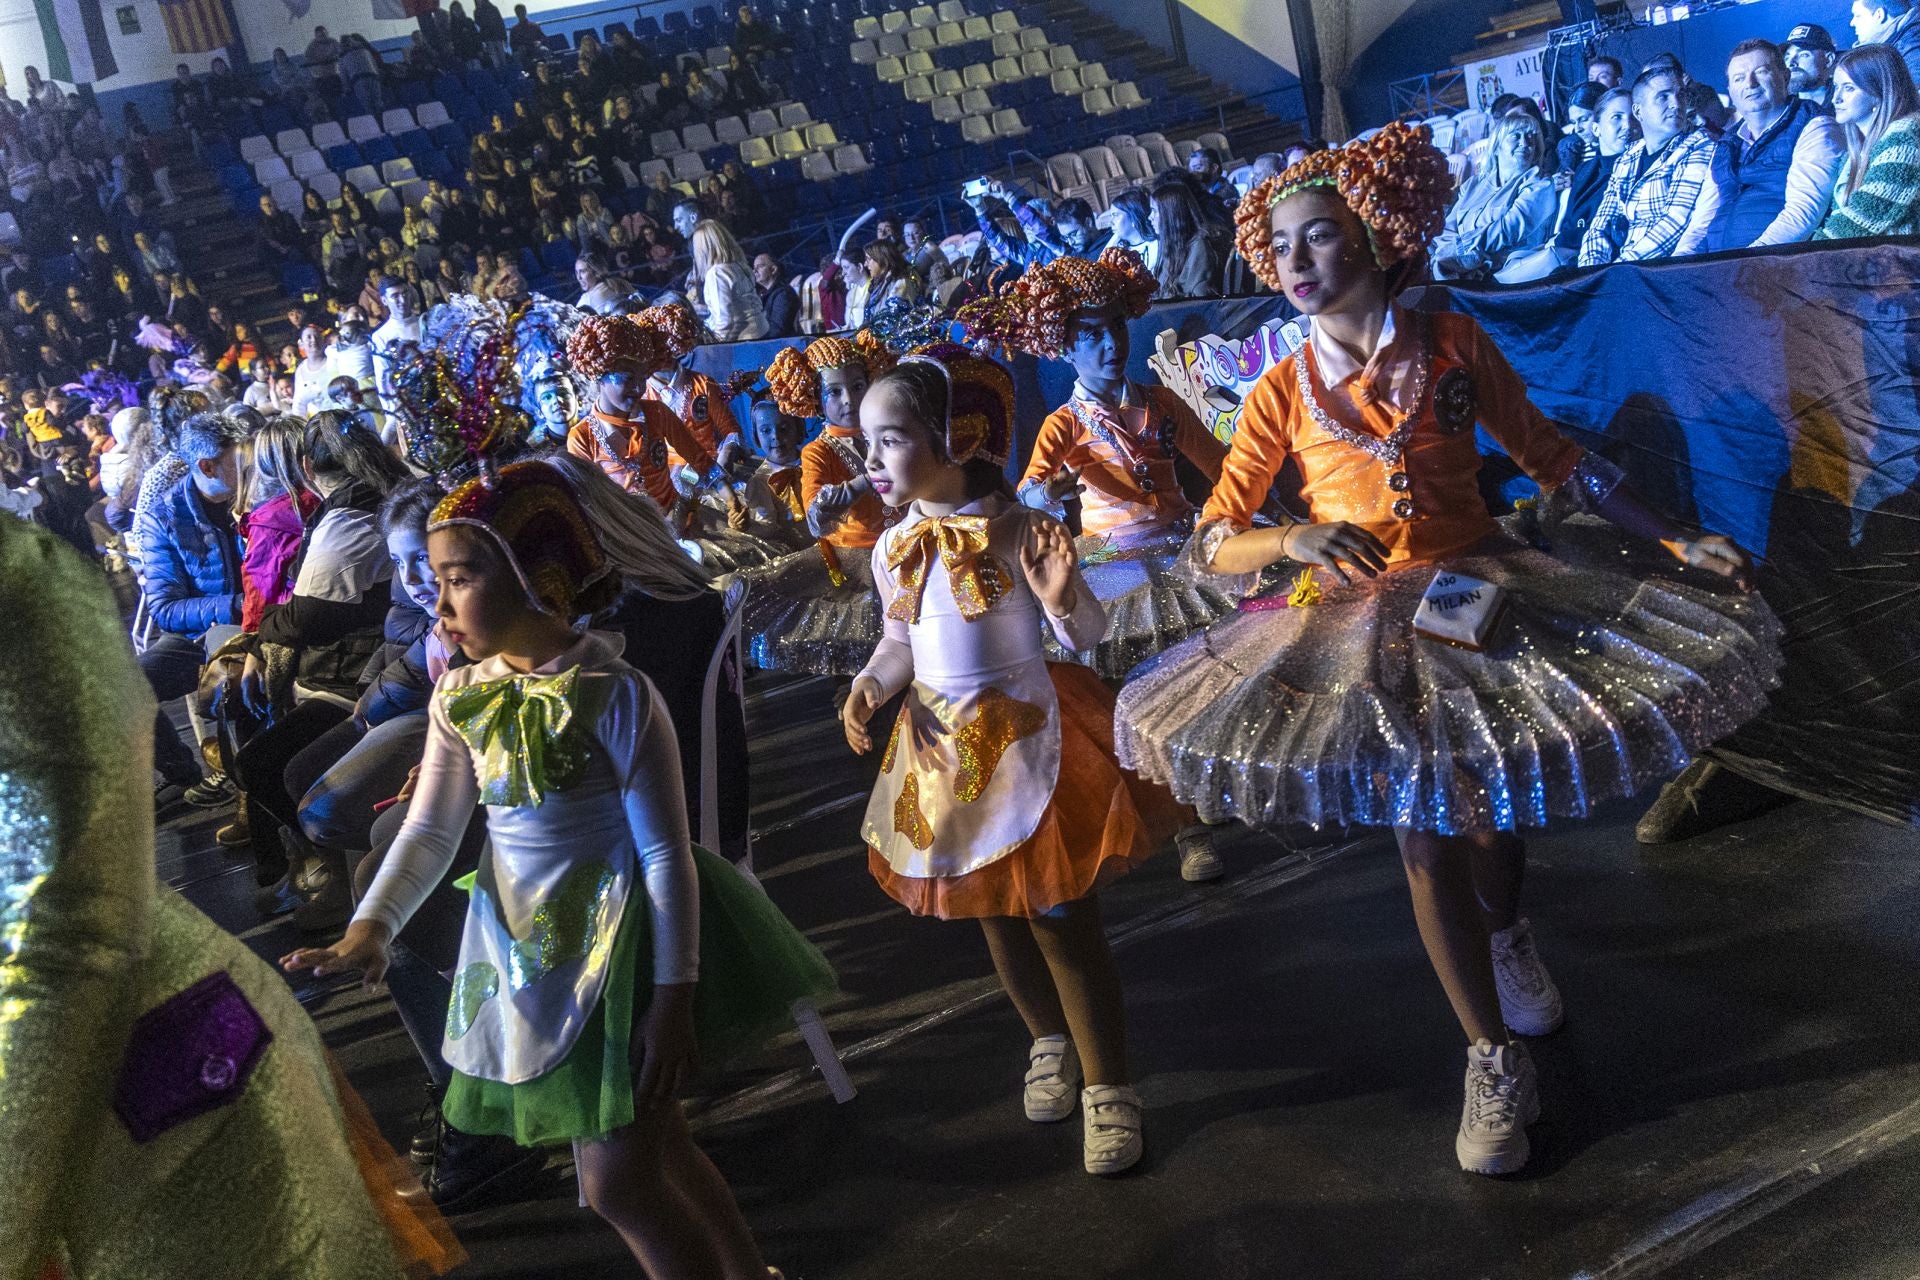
[(1045, 1116), (1206, 872), (1493, 1162), (1110, 1168)]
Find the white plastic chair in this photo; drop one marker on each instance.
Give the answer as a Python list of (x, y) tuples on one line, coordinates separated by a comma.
[(791, 144), (892, 22), (362, 128), (976, 129), (288, 141), (890, 70), (698, 137), (395, 172), (892, 45), (816, 167), (1006, 20), (328, 133), (665, 142), (1066, 80), (922, 38), (821, 137), (794, 115), (918, 89), (364, 177), (864, 53), (432, 115), (919, 63), (398, 120), (949, 33), (946, 109), (730, 132), (866, 28), (1007, 124), (270, 169), (754, 151), (977, 76), (974, 102), (1062, 55), (1093, 75), (952, 11), (1126, 96), (305, 164), (848, 158), (289, 193), (1032, 38), (1034, 63), (325, 184), (1006, 45), (922, 15), (948, 84), (1007, 70), (762, 123), (1097, 102), (688, 166), (976, 29)]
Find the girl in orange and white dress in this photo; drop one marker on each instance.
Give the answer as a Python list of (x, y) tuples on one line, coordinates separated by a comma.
[(695, 398), (1608, 670), (999, 798)]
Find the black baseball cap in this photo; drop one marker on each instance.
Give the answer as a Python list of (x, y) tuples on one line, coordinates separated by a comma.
[(1810, 36)]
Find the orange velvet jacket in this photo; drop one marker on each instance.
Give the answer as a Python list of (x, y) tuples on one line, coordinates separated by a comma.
[(644, 446), (701, 404), (822, 465), (1112, 501), (1429, 505)]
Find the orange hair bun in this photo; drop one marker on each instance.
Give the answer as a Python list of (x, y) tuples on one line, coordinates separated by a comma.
[(1396, 182), (793, 379), (1031, 314), (676, 325)]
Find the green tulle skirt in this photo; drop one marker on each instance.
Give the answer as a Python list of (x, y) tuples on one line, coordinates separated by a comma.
[(753, 966)]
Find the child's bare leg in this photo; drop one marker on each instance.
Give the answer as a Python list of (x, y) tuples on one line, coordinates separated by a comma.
[(696, 1178), (1499, 870), (1453, 925), (640, 1179)]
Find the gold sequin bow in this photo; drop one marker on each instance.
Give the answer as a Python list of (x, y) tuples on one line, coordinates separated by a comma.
[(518, 730), (960, 543)]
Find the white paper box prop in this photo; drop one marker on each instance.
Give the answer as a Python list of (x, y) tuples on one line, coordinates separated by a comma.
[(1459, 610)]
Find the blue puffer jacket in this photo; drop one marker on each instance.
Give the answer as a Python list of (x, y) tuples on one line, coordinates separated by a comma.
[(190, 568)]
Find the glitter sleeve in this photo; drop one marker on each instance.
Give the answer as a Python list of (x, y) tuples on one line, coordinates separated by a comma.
[(1195, 564), (638, 737), (76, 876), (437, 817)]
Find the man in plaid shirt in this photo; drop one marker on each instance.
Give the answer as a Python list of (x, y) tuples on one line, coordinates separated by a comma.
[(1662, 194)]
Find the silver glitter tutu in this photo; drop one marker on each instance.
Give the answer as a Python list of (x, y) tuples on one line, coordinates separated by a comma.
[(725, 550), (1148, 608), (1606, 675), (797, 620)]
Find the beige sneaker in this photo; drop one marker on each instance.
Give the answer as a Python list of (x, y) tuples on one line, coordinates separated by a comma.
[(1198, 862), (1529, 1002), (1053, 1077), (1111, 1122), (1503, 1098)]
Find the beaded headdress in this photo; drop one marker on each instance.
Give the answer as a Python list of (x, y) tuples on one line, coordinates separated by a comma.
[(979, 402), (678, 327), (1032, 314), (534, 519), (793, 379), (460, 393), (1396, 182)]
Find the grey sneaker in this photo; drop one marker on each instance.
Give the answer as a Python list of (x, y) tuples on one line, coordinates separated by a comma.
[(1529, 1002), (1503, 1098), (1111, 1123), (1198, 862), (1053, 1078)]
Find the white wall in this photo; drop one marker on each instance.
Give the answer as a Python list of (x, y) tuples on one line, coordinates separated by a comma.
[(1261, 25)]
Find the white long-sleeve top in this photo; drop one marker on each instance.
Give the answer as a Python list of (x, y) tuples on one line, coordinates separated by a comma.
[(734, 313), (1818, 154), (627, 809)]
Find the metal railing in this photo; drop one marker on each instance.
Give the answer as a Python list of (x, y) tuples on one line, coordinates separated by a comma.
[(1429, 94)]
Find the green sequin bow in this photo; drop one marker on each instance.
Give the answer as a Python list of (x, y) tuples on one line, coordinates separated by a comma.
[(522, 734)]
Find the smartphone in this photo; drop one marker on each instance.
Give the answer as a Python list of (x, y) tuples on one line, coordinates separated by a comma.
[(978, 187)]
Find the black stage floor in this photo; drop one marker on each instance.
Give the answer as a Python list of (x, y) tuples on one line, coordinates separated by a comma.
[(1736, 1092)]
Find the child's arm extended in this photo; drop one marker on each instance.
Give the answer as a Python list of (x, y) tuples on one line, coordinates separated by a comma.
[(888, 671), (638, 736), (442, 805)]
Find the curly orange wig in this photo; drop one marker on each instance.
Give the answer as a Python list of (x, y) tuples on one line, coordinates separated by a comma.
[(614, 344), (676, 325), (1031, 314), (793, 379), (1396, 183)]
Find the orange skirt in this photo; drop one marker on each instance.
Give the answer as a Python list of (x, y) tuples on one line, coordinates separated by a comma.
[(1101, 821)]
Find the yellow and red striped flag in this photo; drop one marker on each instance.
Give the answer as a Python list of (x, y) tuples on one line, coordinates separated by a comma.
[(196, 26)]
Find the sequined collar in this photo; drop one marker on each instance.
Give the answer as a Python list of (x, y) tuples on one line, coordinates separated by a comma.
[(1389, 447)]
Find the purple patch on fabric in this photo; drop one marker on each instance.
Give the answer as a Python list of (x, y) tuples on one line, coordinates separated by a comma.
[(188, 1056)]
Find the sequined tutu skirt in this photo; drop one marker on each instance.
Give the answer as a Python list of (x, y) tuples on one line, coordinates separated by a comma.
[(798, 619), (725, 550), (1610, 669), (1148, 608)]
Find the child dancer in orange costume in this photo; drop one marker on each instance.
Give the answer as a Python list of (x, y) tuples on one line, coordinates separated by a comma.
[(1597, 683), (696, 399)]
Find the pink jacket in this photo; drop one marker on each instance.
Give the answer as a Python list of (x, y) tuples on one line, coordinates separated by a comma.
[(273, 531)]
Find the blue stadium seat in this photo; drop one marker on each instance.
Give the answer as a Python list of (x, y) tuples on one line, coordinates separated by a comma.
[(447, 85), (607, 32), (379, 150), (674, 22), (298, 278), (557, 255), (415, 143), (344, 157), (556, 42), (274, 118), (235, 177), (220, 152), (645, 28), (529, 264), (704, 17), (246, 200), (448, 136), (412, 93)]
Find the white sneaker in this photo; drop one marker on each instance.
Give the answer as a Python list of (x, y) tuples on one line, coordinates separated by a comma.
[(1198, 862), (1111, 1122), (1503, 1098), (1053, 1078), (1529, 1002)]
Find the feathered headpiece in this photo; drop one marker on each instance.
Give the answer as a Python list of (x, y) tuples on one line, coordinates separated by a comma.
[(793, 379), (979, 402), (1031, 314), (460, 395), (533, 518), (1396, 183)]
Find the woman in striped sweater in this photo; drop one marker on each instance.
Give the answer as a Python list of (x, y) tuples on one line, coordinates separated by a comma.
[(1879, 189)]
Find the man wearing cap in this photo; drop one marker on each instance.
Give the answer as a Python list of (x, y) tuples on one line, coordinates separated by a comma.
[(1775, 174), (1810, 55), (1892, 23)]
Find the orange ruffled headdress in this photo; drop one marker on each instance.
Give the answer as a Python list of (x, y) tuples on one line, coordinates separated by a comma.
[(1396, 183), (678, 327), (615, 344), (1031, 314), (793, 379)]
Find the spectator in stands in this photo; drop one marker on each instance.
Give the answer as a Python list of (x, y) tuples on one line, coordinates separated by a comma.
[(290, 82), (241, 353), (1613, 133), (493, 31), (601, 292), (496, 221), (463, 36), (280, 233), (1810, 54), (1606, 72), (419, 236), (777, 297), (360, 69), (343, 250), (703, 94), (1133, 225), (670, 103), (1189, 261), (1653, 206), (1703, 111), (1878, 193), (189, 574), (1267, 164), (727, 295), (750, 35), (315, 217), (227, 87), (192, 109), (484, 169), (459, 221), (311, 376), (1892, 23), (926, 257), (402, 328), (527, 40), (323, 60), (1504, 210), (1775, 175), (1576, 145), (1204, 164)]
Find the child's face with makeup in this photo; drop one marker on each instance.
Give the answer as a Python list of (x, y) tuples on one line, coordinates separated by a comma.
[(481, 603), (1326, 264), (841, 391), (902, 464)]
